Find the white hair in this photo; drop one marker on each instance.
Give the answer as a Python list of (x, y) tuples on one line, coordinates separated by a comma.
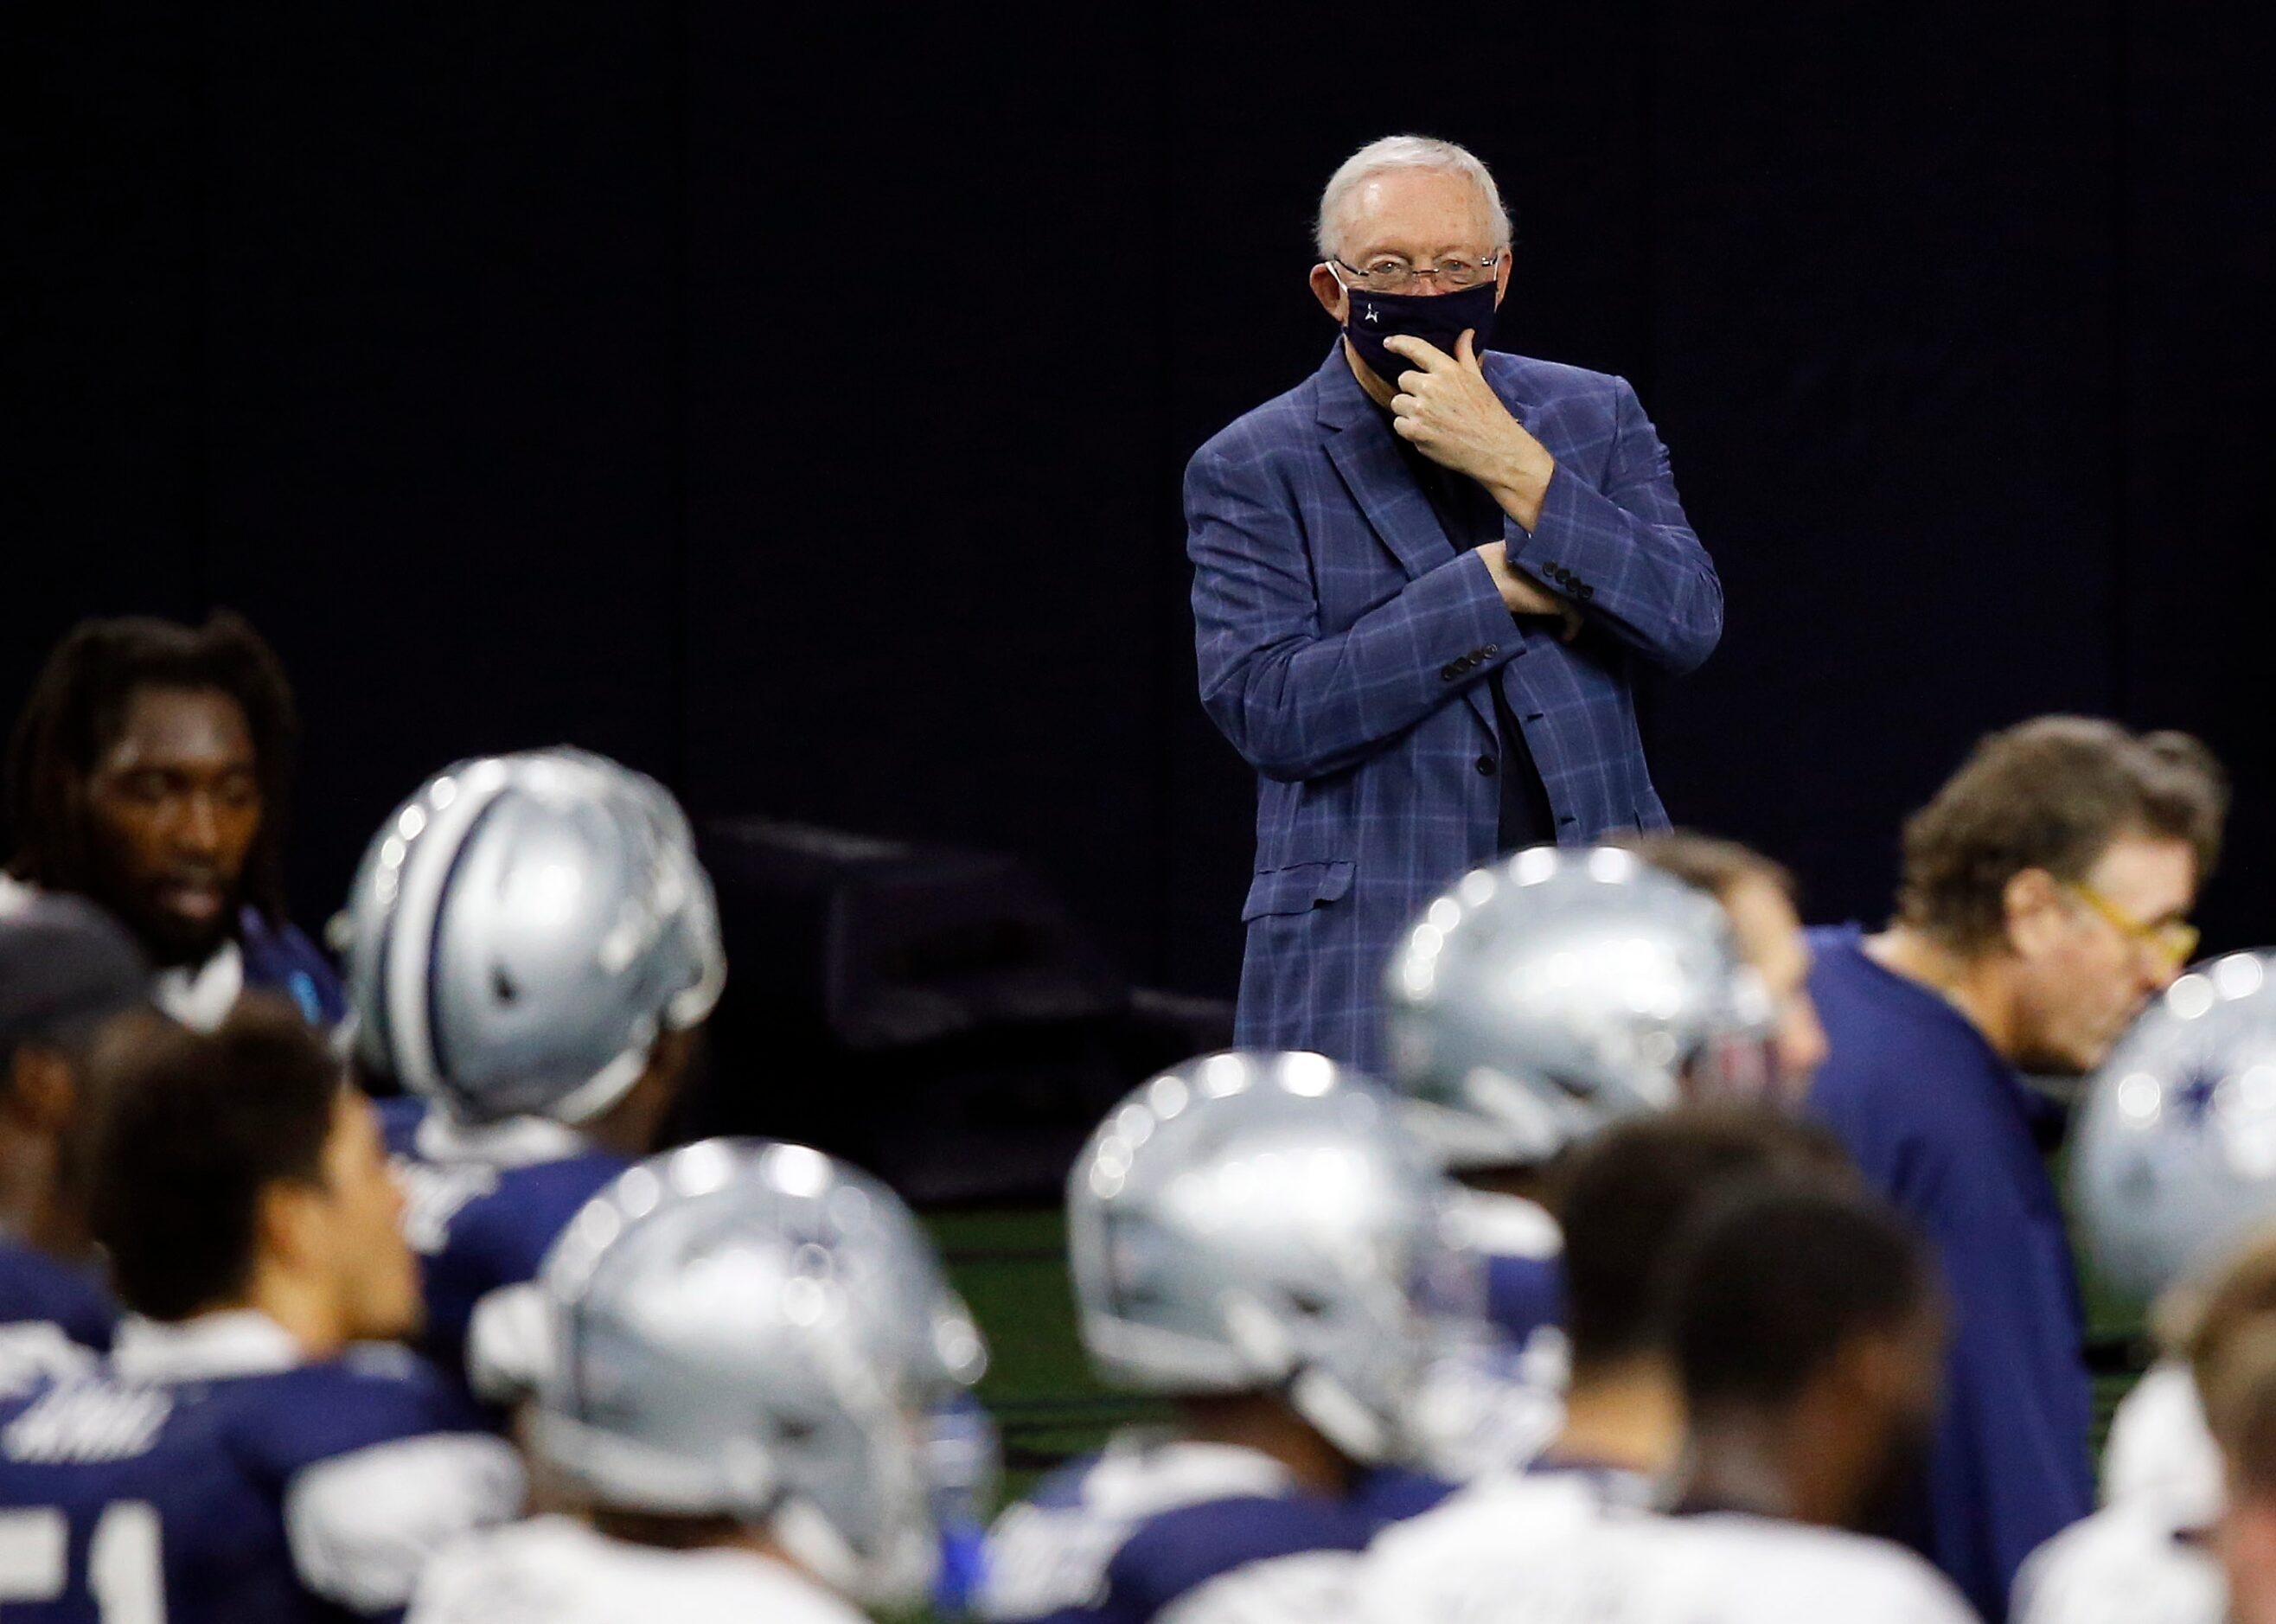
[(1394, 152)]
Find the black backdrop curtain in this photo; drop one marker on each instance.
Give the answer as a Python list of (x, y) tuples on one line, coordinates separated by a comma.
[(794, 406)]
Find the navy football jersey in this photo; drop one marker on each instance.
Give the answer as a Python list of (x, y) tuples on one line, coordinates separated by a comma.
[(205, 1473), (1491, 1403), (1525, 1295), (482, 1206), (1203, 1529), (55, 1317)]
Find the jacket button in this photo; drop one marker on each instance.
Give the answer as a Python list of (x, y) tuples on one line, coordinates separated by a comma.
[(1486, 766), (1447, 674), (1490, 651), (1586, 591)]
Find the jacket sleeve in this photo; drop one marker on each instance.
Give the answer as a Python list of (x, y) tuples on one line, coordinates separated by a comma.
[(1625, 553), (1296, 702)]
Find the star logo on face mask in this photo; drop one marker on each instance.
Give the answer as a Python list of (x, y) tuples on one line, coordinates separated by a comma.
[(1373, 314)]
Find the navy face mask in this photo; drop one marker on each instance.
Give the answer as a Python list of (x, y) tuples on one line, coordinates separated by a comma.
[(1436, 318)]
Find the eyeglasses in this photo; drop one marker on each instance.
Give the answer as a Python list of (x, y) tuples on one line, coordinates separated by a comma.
[(1393, 275), (2173, 942)]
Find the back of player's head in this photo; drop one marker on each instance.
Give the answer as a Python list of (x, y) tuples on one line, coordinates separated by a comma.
[(523, 930), (196, 1128), (2224, 1332), (2200, 1325), (2173, 1162), (1546, 995), (2239, 1390), (1770, 1285), (753, 1330), (1628, 1195), (1260, 1223), (67, 968)]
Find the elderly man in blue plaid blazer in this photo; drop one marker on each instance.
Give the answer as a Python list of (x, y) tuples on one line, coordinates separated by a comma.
[(1424, 581)]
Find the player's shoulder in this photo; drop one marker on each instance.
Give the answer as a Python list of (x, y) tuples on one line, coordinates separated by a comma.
[(1123, 1533), (2159, 1446), (2126, 1561), (502, 1192), (1485, 1544), (372, 1395), (88, 1417), (553, 1570), (1786, 1570), (1174, 1551), (517, 1220), (1498, 1514)]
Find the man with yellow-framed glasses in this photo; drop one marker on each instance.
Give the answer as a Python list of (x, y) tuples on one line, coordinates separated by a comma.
[(2168, 942), (2045, 896)]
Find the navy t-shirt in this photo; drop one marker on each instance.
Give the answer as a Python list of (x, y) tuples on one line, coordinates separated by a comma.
[(1948, 1131)]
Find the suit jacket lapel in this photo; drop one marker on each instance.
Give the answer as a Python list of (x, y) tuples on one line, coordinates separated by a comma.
[(1361, 446), (1366, 458), (1387, 494)]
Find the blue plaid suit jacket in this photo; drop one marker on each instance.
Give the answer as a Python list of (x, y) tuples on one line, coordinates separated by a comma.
[(1345, 649)]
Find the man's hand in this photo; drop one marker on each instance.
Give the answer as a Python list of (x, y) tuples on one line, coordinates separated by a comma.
[(1523, 595), (1450, 413)]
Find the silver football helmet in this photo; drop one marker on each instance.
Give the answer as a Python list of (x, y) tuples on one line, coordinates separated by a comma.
[(753, 1329), (1543, 997), (1261, 1221), (520, 931), (2174, 1163)]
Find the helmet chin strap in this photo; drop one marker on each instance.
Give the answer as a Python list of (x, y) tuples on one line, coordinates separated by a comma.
[(896, 1576), (590, 1098), (1341, 1418), (1319, 1398)]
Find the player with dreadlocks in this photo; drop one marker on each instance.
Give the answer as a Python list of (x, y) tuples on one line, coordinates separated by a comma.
[(150, 772)]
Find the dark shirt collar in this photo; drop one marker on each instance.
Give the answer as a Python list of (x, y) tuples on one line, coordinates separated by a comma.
[(2045, 1118)]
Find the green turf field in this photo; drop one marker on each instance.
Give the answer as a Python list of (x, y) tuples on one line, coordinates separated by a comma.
[(1010, 1266)]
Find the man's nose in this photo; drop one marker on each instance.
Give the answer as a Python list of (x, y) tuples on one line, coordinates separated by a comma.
[(198, 829), (1802, 1043)]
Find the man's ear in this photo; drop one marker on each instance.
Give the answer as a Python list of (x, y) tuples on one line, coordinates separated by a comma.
[(1328, 288), (2036, 916), (1501, 276), (1876, 1370), (288, 1226)]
